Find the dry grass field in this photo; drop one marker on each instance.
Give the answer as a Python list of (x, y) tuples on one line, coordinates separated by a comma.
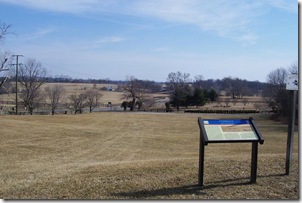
[(115, 97), (77, 88), (137, 156)]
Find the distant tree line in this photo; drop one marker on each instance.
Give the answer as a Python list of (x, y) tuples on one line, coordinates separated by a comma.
[(68, 79), (235, 87), (182, 90)]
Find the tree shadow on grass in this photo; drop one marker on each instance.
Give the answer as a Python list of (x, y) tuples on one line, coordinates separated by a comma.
[(188, 189)]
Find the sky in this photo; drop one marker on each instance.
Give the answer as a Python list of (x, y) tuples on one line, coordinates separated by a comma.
[(149, 39)]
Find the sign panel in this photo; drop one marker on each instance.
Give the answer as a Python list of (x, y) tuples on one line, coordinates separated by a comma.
[(292, 82), (229, 130)]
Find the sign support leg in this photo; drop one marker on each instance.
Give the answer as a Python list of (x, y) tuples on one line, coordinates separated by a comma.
[(201, 164), (254, 162)]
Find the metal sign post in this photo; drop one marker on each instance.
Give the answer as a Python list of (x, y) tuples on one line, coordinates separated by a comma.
[(292, 85)]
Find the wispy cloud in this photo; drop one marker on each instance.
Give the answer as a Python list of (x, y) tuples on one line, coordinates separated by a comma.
[(111, 39), (40, 33), (161, 49), (98, 43), (44, 31), (70, 6), (225, 18), (248, 39), (284, 5), (230, 19)]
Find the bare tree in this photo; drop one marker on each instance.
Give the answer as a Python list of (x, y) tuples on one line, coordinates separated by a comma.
[(3, 69), (236, 87), (178, 85), (32, 75), (276, 93), (277, 77), (5, 60), (78, 102), (93, 98), (198, 81), (293, 69), (55, 95), (4, 30), (149, 102), (135, 90), (9, 87), (178, 79)]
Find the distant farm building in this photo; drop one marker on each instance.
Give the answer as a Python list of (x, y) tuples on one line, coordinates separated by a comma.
[(110, 88)]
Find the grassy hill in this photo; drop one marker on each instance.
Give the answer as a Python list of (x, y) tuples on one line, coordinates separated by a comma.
[(137, 156)]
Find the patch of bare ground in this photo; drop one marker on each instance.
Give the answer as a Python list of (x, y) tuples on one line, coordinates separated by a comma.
[(137, 156)]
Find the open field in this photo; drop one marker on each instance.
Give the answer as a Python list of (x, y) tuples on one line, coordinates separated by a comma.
[(77, 88), (7, 101), (137, 156)]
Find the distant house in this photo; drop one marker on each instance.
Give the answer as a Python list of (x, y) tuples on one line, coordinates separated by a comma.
[(109, 88), (222, 93), (164, 88)]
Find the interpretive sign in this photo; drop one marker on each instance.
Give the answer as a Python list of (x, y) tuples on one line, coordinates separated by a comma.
[(229, 131)]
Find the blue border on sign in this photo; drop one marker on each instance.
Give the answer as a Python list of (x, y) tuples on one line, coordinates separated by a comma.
[(226, 122)]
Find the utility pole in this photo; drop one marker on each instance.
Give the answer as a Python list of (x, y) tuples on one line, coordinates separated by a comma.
[(17, 64)]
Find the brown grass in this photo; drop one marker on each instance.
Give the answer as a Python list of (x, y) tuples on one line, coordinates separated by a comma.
[(137, 156), (77, 88)]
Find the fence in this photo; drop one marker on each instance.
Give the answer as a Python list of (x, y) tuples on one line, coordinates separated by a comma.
[(223, 111)]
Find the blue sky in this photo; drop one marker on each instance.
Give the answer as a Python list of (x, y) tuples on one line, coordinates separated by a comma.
[(148, 39)]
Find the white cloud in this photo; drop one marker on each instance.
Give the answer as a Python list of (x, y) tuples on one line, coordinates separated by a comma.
[(222, 17), (225, 18), (284, 5), (248, 39), (161, 49), (95, 44), (70, 6), (40, 33), (111, 39), (230, 19)]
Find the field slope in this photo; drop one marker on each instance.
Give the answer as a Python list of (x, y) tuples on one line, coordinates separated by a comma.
[(137, 156)]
